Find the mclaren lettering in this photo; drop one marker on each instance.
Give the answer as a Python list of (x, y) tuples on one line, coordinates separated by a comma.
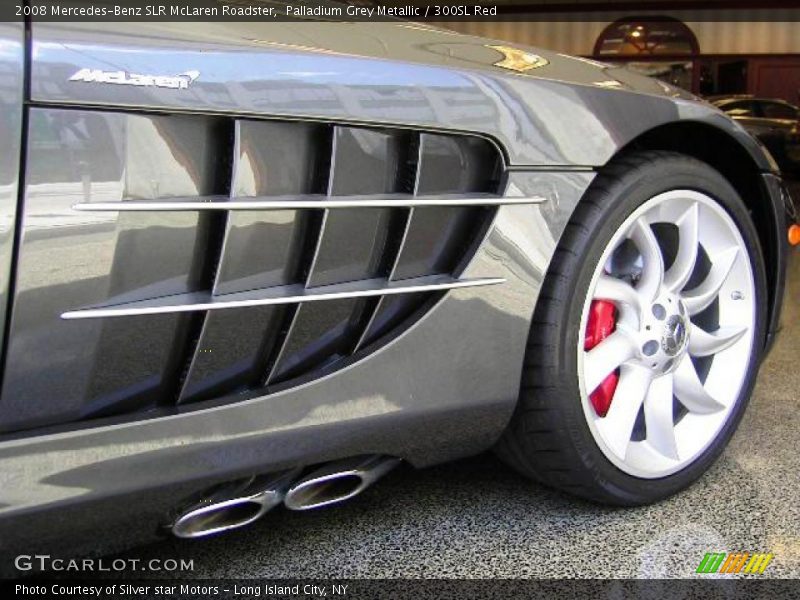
[(178, 82)]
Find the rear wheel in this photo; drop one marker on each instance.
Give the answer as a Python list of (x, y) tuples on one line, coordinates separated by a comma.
[(646, 337)]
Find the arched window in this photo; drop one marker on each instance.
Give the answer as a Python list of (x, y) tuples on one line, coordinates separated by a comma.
[(645, 37), (660, 47)]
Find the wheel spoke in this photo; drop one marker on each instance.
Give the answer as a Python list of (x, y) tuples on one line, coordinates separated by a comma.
[(702, 343), (658, 417), (653, 270), (617, 425), (704, 294), (681, 270), (619, 292), (690, 391), (604, 358)]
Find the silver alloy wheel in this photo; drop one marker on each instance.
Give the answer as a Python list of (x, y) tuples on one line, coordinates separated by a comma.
[(664, 414)]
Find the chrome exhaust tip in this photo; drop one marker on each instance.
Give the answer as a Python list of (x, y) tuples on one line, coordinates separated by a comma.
[(233, 505), (338, 481)]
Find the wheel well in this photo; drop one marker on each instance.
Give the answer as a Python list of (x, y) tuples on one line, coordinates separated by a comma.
[(724, 153)]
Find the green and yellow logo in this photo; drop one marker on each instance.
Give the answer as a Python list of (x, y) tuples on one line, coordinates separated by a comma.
[(740, 562)]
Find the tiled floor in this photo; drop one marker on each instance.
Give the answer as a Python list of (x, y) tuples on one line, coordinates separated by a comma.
[(476, 518)]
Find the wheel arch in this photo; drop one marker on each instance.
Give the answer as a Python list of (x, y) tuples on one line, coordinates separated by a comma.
[(743, 163)]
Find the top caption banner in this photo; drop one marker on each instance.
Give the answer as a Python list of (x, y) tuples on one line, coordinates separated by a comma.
[(245, 10), (385, 10)]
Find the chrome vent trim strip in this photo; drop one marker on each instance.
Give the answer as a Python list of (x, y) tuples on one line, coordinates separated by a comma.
[(289, 294), (309, 202)]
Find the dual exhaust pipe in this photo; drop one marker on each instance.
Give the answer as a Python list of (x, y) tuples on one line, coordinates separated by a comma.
[(243, 502)]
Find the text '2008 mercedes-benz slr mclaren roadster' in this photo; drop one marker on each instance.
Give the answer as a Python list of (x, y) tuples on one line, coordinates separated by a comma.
[(249, 265)]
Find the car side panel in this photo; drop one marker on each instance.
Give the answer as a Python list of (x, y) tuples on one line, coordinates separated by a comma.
[(568, 112), (455, 372), (12, 36)]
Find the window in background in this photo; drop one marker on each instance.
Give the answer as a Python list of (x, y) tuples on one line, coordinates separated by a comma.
[(660, 47)]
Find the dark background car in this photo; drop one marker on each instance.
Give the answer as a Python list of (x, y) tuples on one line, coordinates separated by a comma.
[(775, 122)]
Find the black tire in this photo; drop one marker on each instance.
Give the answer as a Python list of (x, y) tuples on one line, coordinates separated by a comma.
[(548, 438)]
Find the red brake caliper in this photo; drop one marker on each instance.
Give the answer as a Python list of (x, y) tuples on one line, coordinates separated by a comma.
[(602, 322)]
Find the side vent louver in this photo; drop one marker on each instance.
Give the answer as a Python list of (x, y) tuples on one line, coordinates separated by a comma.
[(185, 258)]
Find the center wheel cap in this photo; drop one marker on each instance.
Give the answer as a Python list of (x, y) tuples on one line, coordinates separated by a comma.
[(664, 334), (676, 335)]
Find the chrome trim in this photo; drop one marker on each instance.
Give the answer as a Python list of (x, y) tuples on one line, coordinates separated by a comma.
[(234, 505), (307, 202), (287, 294), (319, 489)]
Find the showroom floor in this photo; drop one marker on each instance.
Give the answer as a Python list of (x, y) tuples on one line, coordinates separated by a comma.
[(476, 518)]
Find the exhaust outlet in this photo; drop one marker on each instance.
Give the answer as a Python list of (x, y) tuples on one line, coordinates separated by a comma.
[(234, 505), (338, 481)]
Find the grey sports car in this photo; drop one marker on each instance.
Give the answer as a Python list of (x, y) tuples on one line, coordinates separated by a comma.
[(246, 265)]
